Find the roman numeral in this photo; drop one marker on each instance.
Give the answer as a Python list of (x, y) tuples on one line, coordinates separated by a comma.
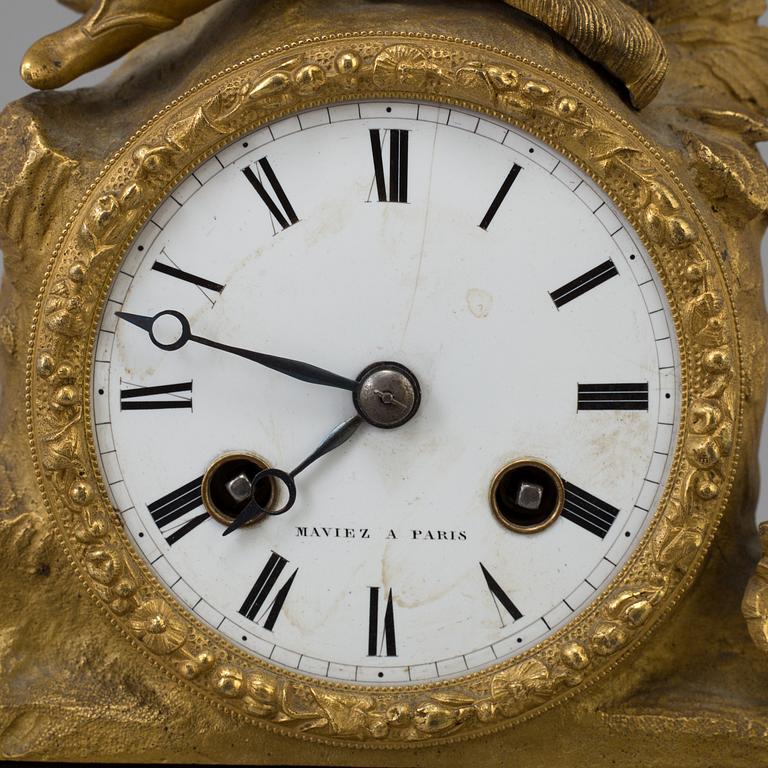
[(173, 270), (168, 510), (584, 283), (131, 399), (500, 598), (587, 511), (500, 195), (259, 594), (398, 165), (386, 646), (284, 216), (187, 277), (613, 397)]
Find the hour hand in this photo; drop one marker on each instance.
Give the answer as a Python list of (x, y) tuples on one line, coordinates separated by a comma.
[(170, 330), (334, 439)]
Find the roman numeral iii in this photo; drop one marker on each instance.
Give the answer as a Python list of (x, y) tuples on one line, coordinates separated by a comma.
[(613, 397), (281, 208), (255, 607), (145, 398), (500, 598), (169, 510), (381, 644), (587, 511), (397, 190), (584, 283)]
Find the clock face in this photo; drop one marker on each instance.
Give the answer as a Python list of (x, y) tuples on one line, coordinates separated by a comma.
[(492, 326)]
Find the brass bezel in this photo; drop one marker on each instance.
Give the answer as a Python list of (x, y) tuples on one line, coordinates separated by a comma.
[(528, 461), (210, 507), (385, 65)]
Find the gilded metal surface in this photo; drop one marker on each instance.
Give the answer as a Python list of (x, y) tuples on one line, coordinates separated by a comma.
[(755, 605), (612, 34), (73, 688), (607, 31), (321, 72), (107, 31)]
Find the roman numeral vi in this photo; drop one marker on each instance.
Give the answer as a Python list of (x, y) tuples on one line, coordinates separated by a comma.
[(385, 646)]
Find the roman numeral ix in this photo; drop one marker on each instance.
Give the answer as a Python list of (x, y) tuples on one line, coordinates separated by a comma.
[(171, 508), (381, 644), (398, 165), (500, 195), (613, 397), (260, 592), (500, 598), (281, 209), (143, 398), (587, 511), (584, 283)]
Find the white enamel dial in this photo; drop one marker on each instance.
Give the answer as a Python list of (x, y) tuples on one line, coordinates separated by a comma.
[(455, 245)]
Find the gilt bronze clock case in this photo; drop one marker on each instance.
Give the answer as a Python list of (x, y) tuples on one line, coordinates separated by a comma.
[(102, 663)]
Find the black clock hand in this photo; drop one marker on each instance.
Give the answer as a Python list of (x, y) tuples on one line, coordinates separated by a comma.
[(295, 368), (337, 437)]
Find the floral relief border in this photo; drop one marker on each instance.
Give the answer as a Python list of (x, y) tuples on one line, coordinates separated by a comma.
[(398, 66)]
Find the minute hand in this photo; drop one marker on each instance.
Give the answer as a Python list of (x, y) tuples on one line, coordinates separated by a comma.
[(294, 368)]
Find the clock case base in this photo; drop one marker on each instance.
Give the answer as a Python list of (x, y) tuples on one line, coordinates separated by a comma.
[(72, 689)]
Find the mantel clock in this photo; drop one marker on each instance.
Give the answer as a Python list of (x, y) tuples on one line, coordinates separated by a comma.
[(382, 384)]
